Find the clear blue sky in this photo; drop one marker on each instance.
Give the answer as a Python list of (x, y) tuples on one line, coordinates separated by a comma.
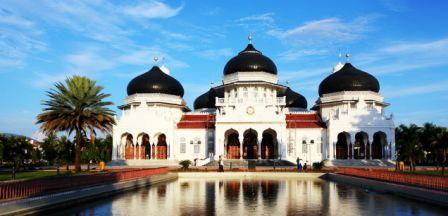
[(403, 43)]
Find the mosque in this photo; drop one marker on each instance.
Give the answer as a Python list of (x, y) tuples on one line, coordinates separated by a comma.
[(250, 116)]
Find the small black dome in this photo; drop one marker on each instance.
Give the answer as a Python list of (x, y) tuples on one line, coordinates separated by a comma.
[(208, 99), (294, 99), (249, 60), (349, 78), (155, 81)]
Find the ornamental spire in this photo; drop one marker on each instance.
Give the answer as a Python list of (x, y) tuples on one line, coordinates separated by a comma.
[(347, 58), (249, 38), (155, 60)]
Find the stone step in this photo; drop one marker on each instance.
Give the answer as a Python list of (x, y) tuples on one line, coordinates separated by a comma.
[(245, 163), (357, 163), (150, 163)]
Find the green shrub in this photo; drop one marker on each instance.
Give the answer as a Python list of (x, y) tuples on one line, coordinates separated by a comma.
[(185, 164), (318, 165)]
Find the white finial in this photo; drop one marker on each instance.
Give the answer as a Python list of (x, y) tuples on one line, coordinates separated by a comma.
[(155, 60), (347, 58), (250, 38), (212, 84)]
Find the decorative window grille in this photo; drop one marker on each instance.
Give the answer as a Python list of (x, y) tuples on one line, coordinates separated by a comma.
[(197, 148), (304, 147), (183, 145)]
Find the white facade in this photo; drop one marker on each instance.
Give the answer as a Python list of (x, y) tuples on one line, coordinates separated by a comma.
[(251, 122)]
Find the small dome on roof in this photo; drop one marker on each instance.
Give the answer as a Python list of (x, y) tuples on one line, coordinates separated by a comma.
[(349, 78), (294, 99)]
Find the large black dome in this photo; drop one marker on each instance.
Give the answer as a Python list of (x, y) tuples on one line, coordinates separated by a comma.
[(349, 78), (294, 99), (155, 81), (208, 99), (250, 60)]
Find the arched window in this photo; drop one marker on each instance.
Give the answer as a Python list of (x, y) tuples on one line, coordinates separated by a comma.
[(304, 147)]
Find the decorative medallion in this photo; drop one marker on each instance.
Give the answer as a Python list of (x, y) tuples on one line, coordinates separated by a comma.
[(250, 110)]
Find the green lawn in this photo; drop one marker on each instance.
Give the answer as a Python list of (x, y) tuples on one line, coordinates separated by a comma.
[(37, 174)]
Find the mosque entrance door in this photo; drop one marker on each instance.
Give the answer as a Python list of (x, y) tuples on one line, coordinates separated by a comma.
[(233, 146), (162, 147), (250, 148), (268, 145)]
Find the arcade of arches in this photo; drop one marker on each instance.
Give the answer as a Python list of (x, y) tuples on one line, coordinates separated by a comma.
[(361, 148), (143, 149), (248, 146)]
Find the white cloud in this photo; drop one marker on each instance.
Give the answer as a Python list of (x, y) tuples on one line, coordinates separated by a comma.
[(330, 30), (292, 55), (257, 24), (11, 19), (405, 56), (418, 47), (19, 39), (266, 17), (89, 62), (215, 53), (152, 10), (441, 86)]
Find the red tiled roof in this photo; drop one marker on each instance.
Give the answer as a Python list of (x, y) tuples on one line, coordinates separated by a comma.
[(304, 121), (196, 121)]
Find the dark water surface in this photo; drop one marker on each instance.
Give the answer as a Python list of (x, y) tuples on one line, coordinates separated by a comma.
[(195, 196)]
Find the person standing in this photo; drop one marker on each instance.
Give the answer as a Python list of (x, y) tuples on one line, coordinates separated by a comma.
[(221, 164), (298, 162)]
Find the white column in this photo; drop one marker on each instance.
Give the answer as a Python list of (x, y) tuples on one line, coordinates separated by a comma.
[(259, 139), (370, 147), (352, 140), (241, 137)]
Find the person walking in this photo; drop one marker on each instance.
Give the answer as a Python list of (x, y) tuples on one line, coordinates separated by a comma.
[(304, 167), (221, 164), (299, 167), (298, 163)]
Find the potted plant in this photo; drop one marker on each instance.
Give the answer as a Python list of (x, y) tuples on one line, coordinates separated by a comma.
[(185, 164)]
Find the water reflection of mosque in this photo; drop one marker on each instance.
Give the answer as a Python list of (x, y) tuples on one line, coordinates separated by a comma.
[(252, 196), (196, 196)]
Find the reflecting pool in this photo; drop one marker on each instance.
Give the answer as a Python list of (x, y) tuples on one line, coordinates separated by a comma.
[(246, 196)]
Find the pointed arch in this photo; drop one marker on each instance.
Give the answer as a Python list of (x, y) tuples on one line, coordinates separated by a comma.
[(269, 144), (232, 144), (144, 147), (361, 142), (162, 147), (342, 145), (378, 145), (250, 144), (128, 146)]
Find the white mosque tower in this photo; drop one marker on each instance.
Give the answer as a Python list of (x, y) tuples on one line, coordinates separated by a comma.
[(250, 116)]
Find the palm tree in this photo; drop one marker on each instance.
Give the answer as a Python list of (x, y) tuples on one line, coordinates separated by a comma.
[(409, 146), (76, 106), (441, 147)]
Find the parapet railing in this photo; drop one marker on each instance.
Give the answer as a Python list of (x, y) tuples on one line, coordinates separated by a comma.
[(27, 188), (425, 181)]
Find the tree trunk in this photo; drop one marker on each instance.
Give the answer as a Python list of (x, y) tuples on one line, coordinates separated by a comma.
[(78, 150)]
